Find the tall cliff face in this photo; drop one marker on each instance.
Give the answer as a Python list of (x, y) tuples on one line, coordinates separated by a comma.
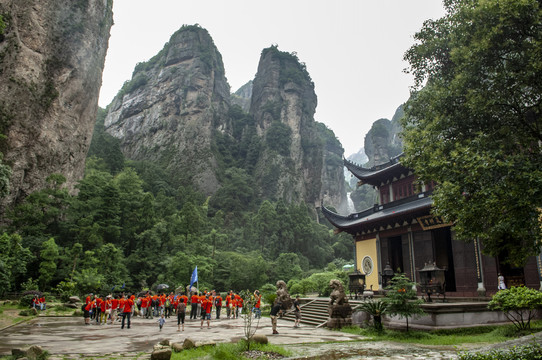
[(168, 111), (383, 142), (243, 96), (52, 55), (302, 159)]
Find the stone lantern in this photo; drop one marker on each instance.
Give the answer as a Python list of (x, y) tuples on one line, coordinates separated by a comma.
[(432, 280), (357, 283), (386, 275)]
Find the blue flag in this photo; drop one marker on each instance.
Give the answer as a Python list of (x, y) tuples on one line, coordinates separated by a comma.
[(194, 277)]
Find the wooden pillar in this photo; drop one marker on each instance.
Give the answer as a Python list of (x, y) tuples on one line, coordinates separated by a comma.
[(539, 268), (411, 256), (479, 268)]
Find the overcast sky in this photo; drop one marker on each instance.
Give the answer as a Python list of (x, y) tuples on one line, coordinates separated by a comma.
[(353, 49)]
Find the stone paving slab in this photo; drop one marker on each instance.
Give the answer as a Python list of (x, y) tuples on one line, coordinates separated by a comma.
[(69, 338), (69, 335)]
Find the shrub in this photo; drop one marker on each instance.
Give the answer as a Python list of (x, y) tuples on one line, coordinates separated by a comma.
[(376, 309), (519, 305), (525, 352), (66, 289), (401, 299), (26, 312)]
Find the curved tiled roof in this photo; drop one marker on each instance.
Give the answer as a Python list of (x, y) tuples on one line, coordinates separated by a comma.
[(358, 222), (374, 175)]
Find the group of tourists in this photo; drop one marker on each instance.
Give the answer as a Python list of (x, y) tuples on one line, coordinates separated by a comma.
[(39, 303), (121, 307)]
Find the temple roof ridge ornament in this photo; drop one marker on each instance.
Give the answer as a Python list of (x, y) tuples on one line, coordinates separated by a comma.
[(374, 174)]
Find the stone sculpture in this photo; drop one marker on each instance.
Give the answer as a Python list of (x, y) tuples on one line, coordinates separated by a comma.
[(340, 311), (283, 296)]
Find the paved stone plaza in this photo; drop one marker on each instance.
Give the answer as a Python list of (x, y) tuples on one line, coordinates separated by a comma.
[(63, 336)]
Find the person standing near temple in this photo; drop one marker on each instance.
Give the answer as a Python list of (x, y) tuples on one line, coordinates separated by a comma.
[(257, 310), (181, 313), (297, 311), (206, 307), (218, 304), (194, 300), (228, 305), (273, 315), (502, 284), (127, 312)]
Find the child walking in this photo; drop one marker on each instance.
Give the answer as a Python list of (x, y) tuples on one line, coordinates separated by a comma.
[(161, 321)]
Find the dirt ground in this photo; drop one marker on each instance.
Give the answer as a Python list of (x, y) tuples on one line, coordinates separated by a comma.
[(9, 317)]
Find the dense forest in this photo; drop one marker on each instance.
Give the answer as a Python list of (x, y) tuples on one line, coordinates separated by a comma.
[(131, 225)]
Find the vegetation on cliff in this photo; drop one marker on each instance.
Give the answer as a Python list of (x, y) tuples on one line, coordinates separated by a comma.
[(132, 224)]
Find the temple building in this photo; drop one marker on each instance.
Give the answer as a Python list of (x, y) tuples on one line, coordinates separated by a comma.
[(401, 232)]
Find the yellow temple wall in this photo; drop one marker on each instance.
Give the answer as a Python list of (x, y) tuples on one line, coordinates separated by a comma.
[(366, 248)]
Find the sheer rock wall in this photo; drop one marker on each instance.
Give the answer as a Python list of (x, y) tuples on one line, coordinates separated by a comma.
[(52, 56)]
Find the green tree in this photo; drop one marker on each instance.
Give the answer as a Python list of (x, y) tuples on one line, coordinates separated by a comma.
[(475, 127), (49, 256), (41, 214), (105, 146), (286, 267), (249, 300), (401, 298), (279, 138), (519, 304), (265, 224), (94, 215), (13, 260)]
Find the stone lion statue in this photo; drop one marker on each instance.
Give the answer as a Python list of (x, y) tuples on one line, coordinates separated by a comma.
[(337, 296), (340, 311), (283, 296)]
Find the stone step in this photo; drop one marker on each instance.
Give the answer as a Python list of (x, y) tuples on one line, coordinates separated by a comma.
[(315, 311)]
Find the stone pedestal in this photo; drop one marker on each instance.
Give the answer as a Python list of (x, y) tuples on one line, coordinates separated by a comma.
[(339, 316)]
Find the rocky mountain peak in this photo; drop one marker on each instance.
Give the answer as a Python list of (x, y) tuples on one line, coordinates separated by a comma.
[(169, 109)]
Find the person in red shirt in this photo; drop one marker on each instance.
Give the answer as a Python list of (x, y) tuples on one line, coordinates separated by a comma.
[(114, 308), (194, 300), (169, 304), (127, 311), (239, 309), (36, 302), (98, 307), (134, 307), (184, 299), (154, 305), (43, 304), (233, 305), (86, 312), (206, 307), (257, 310), (103, 314), (161, 304), (218, 304), (228, 305), (144, 306)]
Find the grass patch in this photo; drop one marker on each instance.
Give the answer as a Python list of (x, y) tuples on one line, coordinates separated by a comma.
[(479, 334), (227, 351)]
